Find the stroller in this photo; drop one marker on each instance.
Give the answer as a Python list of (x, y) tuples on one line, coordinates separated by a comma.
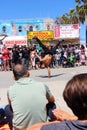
[(67, 62)]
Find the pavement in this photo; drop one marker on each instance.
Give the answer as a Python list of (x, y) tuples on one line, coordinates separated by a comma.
[(56, 83)]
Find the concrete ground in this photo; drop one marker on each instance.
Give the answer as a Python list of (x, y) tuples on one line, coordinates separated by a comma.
[(57, 82)]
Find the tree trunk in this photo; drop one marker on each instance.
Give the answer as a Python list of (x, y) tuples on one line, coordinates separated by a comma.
[(86, 28)]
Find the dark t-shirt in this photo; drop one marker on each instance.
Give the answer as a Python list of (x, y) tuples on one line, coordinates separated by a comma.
[(66, 125)]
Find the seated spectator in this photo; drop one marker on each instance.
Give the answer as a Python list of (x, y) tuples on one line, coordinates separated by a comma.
[(75, 95), (6, 116), (28, 99)]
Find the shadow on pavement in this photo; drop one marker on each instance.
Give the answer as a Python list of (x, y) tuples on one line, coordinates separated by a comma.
[(52, 76)]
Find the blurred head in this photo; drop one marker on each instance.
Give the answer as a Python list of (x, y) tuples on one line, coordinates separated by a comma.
[(75, 95), (4, 47), (20, 71)]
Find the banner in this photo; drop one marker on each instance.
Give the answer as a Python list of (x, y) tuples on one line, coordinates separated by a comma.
[(56, 32), (12, 40), (41, 35), (66, 31)]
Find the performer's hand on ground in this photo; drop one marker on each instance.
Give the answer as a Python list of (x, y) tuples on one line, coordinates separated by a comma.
[(62, 115)]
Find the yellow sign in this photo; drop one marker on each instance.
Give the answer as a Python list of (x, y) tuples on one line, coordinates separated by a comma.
[(41, 35)]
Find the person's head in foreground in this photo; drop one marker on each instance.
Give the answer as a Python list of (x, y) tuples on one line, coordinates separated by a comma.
[(75, 96), (20, 71)]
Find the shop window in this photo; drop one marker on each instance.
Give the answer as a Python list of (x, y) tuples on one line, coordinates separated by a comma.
[(48, 27), (37, 27), (20, 28), (4, 29), (31, 28)]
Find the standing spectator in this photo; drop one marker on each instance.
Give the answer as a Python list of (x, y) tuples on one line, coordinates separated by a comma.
[(83, 56), (33, 58), (15, 55), (57, 58), (5, 57), (28, 99), (1, 62), (77, 55), (10, 58), (25, 56)]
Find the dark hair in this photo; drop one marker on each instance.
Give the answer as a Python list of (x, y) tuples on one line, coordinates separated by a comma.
[(19, 71), (75, 95)]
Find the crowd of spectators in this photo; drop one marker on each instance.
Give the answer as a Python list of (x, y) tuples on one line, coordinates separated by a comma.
[(65, 56)]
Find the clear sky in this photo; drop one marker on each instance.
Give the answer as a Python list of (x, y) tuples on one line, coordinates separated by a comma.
[(27, 9)]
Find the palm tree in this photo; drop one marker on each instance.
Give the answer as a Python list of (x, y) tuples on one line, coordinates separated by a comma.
[(81, 9), (68, 18), (72, 15), (57, 21)]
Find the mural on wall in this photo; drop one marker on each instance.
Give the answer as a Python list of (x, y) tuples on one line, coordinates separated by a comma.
[(5, 28), (20, 27)]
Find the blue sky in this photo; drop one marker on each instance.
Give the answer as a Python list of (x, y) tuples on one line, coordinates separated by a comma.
[(25, 9)]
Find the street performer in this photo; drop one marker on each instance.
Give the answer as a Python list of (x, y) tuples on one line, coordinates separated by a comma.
[(48, 51)]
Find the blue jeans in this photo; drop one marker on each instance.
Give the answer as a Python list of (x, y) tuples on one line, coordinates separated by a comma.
[(51, 106)]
